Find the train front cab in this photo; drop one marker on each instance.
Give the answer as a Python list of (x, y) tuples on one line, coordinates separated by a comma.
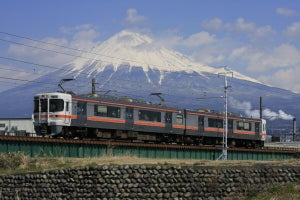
[(52, 111)]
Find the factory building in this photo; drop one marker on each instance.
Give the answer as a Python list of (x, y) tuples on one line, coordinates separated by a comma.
[(17, 126)]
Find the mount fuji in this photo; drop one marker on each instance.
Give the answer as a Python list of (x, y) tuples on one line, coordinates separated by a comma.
[(134, 65)]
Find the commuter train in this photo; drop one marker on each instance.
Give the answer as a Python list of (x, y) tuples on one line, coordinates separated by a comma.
[(110, 118)]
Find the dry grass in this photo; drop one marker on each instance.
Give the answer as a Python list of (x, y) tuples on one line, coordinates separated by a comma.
[(27, 164), (20, 163), (277, 192)]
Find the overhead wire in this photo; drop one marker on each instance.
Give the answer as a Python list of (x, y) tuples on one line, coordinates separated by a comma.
[(62, 69), (83, 51), (80, 56)]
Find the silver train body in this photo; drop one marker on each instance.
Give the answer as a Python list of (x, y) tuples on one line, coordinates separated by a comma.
[(105, 117)]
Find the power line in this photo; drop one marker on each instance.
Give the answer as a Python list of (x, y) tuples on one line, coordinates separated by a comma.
[(246, 83), (63, 69), (57, 45), (198, 75), (79, 56), (80, 50), (57, 68)]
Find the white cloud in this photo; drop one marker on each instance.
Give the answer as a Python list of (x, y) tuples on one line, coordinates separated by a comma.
[(213, 24), (37, 52), (196, 40), (199, 39), (86, 35), (239, 26), (293, 31), (133, 18), (13, 76), (56, 52), (253, 50), (286, 12), (284, 78), (282, 56)]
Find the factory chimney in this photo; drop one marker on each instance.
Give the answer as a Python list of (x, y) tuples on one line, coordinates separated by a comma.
[(260, 107), (93, 86), (294, 129)]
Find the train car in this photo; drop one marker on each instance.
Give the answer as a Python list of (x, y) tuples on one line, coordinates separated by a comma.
[(111, 118)]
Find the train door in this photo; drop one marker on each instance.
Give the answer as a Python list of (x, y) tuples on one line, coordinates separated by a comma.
[(168, 121), (67, 112), (257, 129), (201, 124), (129, 118), (81, 113), (230, 127)]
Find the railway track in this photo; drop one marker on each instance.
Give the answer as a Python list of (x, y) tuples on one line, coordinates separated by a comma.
[(139, 144)]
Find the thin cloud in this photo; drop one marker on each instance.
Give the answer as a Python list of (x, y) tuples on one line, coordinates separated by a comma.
[(173, 40), (282, 56), (284, 78), (199, 39), (133, 18), (286, 12), (81, 37), (293, 31), (239, 26), (213, 24)]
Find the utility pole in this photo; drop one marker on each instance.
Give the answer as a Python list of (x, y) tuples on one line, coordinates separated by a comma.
[(225, 119)]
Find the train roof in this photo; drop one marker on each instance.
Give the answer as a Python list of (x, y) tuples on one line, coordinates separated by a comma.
[(122, 100), (145, 104)]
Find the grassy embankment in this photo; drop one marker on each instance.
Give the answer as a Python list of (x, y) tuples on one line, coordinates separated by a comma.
[(16, 163)]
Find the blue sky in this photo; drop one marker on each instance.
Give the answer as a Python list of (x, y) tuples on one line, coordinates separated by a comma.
[(257, 38)]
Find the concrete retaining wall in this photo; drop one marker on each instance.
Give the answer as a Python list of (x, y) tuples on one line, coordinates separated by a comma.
[(145, 182)]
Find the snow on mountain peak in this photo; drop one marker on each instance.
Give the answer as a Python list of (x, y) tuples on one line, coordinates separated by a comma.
[(133, 49)]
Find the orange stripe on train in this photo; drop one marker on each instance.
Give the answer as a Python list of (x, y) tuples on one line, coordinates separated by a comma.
[(57, 116), (103, 119), (211, 129), (146, 123), (244, 132)]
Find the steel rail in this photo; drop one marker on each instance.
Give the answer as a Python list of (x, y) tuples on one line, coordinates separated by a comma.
[(138, 144)]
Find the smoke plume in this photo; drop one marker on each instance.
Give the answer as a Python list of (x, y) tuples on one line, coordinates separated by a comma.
[(246, 107)]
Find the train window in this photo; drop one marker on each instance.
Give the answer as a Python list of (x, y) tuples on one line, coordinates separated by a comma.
[(179, 119), (256, 127), (230, 124), (56, 105), (147, 115), (216, 123), (43, 105), (243, 126), (107, 111), (67, 106), (201, 121), (36, 106)]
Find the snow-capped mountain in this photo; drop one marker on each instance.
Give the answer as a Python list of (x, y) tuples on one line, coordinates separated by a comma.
[(133, 65), (133, 49)]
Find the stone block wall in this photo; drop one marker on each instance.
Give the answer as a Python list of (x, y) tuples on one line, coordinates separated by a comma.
[(145, 182)]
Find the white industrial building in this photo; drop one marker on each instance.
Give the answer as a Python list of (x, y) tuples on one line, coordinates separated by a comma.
[(17, 126)]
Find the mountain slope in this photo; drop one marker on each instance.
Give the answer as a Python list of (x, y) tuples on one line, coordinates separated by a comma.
[(133, 49), (133, 65)]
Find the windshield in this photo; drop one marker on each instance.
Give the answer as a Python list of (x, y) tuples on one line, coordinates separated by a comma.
[(54, 104)]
